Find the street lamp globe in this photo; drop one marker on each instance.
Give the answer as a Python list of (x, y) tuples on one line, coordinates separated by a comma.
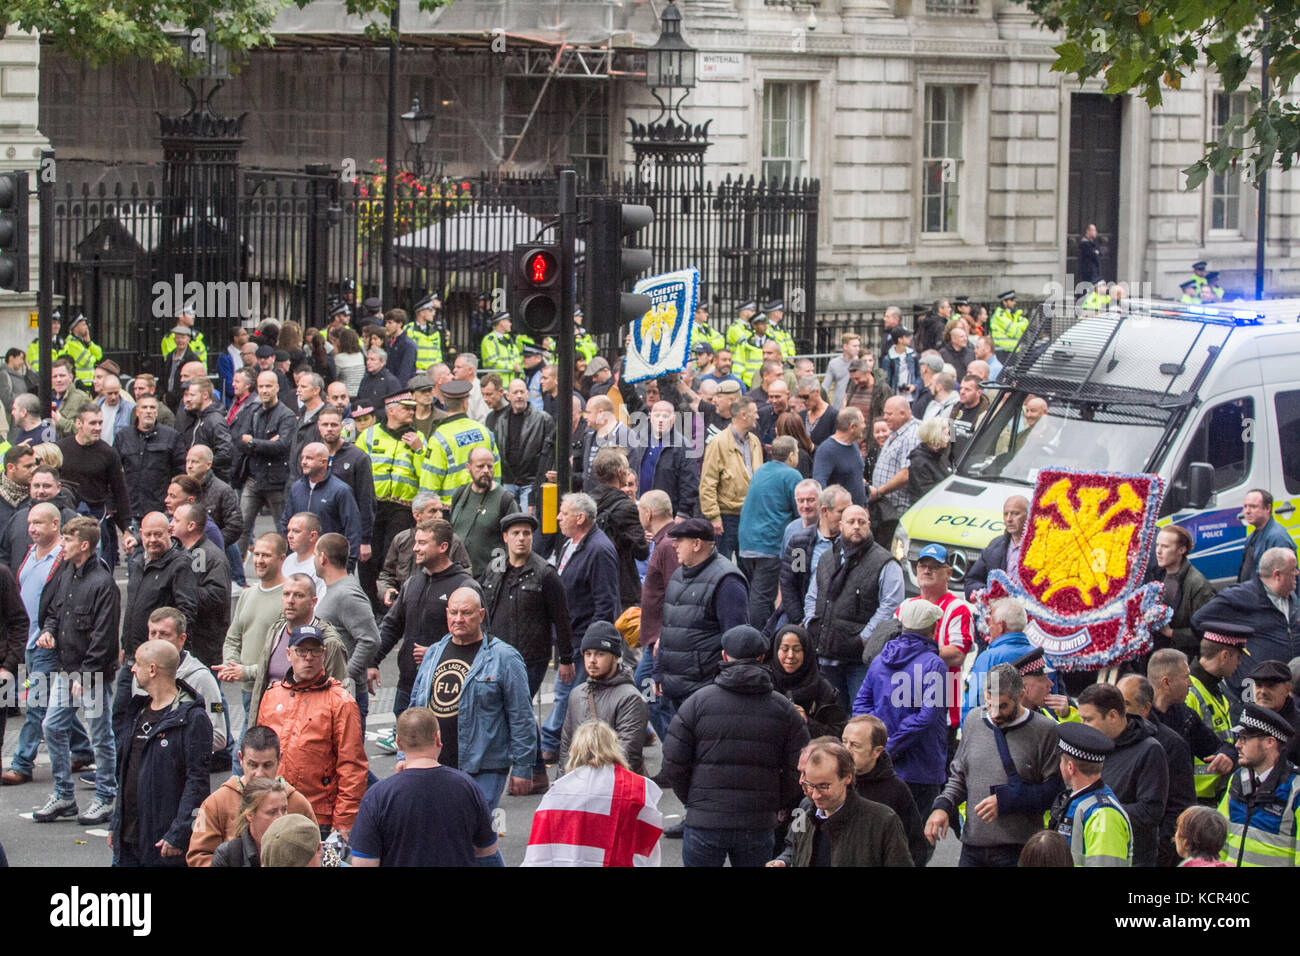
[(417, 124)]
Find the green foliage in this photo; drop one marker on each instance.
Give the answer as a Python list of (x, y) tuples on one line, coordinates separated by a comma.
[(104, 31), (1148, 46)]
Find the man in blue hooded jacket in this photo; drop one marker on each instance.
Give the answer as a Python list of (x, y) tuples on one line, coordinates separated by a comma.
[(906, 687), (1007, 643)]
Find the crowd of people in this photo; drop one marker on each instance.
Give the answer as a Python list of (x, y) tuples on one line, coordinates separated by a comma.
[(720, 581)]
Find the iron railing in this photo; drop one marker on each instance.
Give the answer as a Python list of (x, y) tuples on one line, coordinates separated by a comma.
[(289, 239)]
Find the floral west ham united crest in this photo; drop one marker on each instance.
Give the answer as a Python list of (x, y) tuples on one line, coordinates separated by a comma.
[(1081, 566)]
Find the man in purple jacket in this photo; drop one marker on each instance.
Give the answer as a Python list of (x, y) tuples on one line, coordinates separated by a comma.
[(906, 687)]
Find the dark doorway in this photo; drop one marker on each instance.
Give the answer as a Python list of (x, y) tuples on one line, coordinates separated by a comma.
[(1095, 123)]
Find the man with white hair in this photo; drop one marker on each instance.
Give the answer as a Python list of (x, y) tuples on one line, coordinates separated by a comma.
[(588, 566), (930, 365), (1007, 643), (465, 369)]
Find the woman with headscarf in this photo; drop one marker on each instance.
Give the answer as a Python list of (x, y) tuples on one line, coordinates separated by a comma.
[(796, 676)]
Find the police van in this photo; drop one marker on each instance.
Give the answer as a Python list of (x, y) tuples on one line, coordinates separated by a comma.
[(1206, 396)]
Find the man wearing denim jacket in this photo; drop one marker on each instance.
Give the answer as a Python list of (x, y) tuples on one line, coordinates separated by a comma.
[(477, 687)]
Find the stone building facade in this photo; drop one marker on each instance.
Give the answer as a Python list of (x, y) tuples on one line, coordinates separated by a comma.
[(952, 160)]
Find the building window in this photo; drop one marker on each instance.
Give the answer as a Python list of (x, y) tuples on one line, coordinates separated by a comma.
[(785, 130), (941, 164), (589, 144), (1225, 195)]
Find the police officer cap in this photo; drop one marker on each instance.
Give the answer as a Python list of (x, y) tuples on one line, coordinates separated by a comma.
[(77, 321), (1035, 662), (1187, 285), (1271, 672), (776, 305), (1084, 743), (577, 311), (1009, 294), (531, 349), (56, 316), (340, 308), (498, 317), (749, 306), (305, 632), (1257, 721), (603, 636), (402, 396), (187, 309), (1228, 633), (348, 285), (744, 643), (1198, 265), (265, 351), (372, 304), (518, 517), (1212, 275), (692, 528), (961, 300), (426, 303), (760, 319), (455, 388)]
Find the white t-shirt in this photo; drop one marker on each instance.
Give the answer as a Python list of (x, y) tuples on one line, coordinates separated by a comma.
[(293, 565)]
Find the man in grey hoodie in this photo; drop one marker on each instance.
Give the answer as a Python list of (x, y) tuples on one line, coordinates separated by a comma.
[(1005, 770), (609, 694)]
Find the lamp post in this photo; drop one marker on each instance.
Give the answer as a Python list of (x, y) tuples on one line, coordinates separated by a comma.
[(671, 145), (417, 125)]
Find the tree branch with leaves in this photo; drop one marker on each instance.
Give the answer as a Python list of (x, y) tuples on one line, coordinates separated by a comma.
[(1151, 46)]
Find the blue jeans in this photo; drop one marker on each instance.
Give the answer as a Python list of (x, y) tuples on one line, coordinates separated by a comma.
[(491, 783), (661, 708), (555, 722), (729, 542), (58, 723), (236, 565), (764, 576), (845, 677), (249, 719), (702, 847), (523, 494), (40, 663)]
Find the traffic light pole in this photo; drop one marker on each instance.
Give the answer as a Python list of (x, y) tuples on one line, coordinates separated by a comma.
[(44, 291), (564, 342)]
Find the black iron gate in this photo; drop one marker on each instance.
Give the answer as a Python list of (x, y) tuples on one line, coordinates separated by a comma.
[(285, 244)]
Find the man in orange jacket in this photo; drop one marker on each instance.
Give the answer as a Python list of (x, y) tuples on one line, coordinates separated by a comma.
[(218, 818), (320, 732)]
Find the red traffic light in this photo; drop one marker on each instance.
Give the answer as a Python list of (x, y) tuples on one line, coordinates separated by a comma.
[(541, 267)]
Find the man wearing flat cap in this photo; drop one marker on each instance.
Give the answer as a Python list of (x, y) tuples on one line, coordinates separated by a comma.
[(1088, 814), (706, 597), (1272, 684), (527, 608), (732, 757), (1261, 803)]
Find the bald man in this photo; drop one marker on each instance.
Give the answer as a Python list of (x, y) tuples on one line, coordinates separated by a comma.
[(1003, 552), (163, 774), (160, 573), (452, 681), (328, 498)]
